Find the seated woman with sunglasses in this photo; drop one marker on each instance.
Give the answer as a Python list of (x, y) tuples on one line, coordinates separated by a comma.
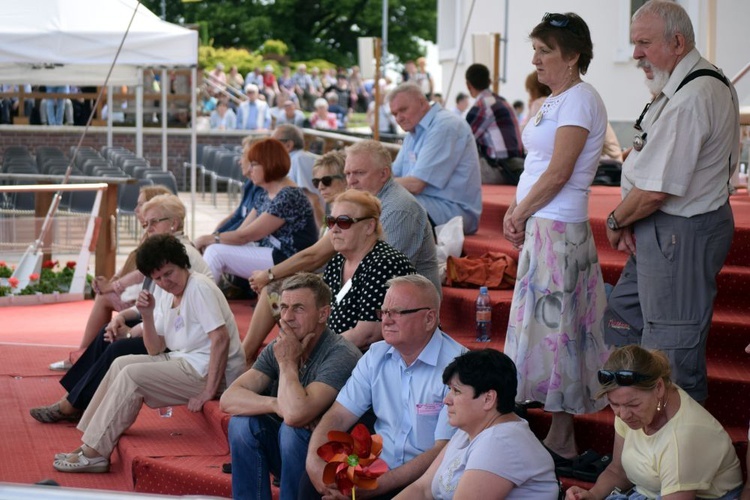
[(281, 223), (357, 273), (363, 263), (666, 444), (163, 214), (329, 179)]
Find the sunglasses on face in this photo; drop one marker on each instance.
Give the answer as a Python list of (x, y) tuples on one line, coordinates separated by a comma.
[(343, 221), (556, 20), (326, 180), (622, 378), (396, 314)]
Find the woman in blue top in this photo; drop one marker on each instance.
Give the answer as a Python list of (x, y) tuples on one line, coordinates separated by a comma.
[(280, 224)]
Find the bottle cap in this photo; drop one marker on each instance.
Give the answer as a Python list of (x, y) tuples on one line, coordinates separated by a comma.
[(483, 289)]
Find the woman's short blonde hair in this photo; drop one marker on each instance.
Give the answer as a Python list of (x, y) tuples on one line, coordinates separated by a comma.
[(150, 192), (369, 204), (334, 160), (170, 206), (652, 365)]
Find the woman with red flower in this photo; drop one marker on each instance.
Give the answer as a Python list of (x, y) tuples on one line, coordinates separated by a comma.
[(481, 399)]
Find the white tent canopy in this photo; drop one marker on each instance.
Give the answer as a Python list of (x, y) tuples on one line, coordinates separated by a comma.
[(61, 42)]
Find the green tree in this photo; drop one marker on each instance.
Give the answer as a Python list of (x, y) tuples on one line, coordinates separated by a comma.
[(312, 29)]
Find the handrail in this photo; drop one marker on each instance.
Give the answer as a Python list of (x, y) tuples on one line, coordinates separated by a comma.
[(209, 79), (53, 178), (51, 188), (106, 242)]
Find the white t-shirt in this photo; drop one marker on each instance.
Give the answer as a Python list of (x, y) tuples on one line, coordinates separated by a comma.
[(509, 450), (579, 106), (185, 328)]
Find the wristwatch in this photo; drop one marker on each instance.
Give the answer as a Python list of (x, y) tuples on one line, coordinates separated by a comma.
[(612, 222), (217, 237), (270, 274)]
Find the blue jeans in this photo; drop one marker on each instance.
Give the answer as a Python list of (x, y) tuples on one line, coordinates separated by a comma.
[(56, 107), (261, 445)]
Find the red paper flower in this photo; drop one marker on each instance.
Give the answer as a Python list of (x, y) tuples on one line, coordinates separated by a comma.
[(353, 459), (71, 264), (13, 282), (49, 264), (33, 277)]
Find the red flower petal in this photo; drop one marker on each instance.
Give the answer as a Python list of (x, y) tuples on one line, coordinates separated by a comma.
[(362, 440), (340, 437), (334, 451)]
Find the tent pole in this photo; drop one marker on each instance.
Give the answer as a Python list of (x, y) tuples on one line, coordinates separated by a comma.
[(164, 82), (139, 114), (193, 146), (110, 89)]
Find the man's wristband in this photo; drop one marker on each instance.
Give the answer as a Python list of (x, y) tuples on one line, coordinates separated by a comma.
[(217, 237)]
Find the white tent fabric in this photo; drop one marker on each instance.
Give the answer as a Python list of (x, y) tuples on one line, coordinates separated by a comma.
[(60, 42)]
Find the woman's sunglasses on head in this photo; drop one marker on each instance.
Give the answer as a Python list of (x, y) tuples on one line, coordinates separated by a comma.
[(556, 20), (623, 378)]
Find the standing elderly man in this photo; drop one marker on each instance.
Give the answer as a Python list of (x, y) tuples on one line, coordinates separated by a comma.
[(275, 403), (254, 113), (399, 378), (495, 126), (674, 218), (367, 168), (438, 161)]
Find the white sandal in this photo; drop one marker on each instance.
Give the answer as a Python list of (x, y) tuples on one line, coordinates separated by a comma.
[(61, 366), (82, 463)]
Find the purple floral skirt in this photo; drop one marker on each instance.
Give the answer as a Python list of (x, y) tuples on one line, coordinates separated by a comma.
[(554, 330)]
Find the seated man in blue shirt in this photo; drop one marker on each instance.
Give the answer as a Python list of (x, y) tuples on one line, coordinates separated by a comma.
[(276, 402), (399, 373), (253, 114), (438, 162)]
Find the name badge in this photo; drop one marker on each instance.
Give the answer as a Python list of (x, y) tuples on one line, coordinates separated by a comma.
[(412, 157)]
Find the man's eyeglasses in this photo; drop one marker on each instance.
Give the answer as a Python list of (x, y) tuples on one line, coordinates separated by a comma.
[(326, 180), (153, 222), (343, 221), (396, 314), (623, 378), (556, 20)]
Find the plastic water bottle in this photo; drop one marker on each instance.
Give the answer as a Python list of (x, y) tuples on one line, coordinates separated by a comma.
[(484, 316)]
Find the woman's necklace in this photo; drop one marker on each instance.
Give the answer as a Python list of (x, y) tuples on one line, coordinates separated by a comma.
[(540, 115)]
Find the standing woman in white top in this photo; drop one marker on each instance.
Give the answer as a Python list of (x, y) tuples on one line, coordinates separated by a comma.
[(554, 332)]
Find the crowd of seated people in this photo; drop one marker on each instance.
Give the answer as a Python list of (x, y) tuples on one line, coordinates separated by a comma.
[(293, 97), (55, 110), (374, 308), (341, 251)]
